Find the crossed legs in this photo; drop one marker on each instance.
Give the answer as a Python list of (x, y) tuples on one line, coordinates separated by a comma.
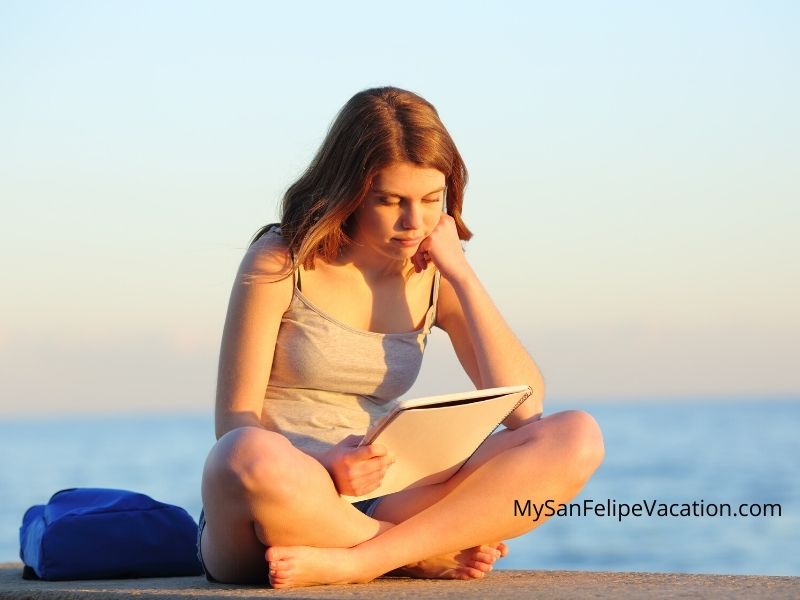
[(259, 492)]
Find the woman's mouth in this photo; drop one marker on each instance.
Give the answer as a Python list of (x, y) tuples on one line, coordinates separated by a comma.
[(407, 242)]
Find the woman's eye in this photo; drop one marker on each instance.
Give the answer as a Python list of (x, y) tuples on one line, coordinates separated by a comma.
[(393, 202)]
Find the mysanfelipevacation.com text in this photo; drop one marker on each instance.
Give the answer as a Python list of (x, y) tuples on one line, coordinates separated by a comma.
[(610, 508)]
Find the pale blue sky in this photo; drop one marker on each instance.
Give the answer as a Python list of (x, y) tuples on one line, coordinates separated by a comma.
[(633, 191)]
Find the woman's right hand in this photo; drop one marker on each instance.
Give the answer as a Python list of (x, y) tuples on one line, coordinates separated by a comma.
[(356, 470)]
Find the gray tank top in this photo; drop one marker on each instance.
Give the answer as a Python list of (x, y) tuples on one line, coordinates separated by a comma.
[(329, 380)]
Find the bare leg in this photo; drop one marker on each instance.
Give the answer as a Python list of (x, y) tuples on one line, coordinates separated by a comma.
[(258, 490), (550, 459)]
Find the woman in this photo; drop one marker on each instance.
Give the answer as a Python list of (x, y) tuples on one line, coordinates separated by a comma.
[(326, 326)]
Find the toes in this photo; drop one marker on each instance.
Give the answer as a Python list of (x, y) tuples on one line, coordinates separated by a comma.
[(279, 557), (274, 554), (473, 573), (278, 566), (489, 553), (499, 547), (485, 557), (276, 577), (276, 583), (483, 567)]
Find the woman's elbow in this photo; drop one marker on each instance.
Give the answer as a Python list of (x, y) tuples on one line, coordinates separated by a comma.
[(230, 420)]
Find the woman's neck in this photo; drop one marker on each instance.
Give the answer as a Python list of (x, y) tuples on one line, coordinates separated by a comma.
[(372, 265)]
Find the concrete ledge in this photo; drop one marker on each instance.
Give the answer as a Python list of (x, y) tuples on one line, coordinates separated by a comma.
[(542, 585)]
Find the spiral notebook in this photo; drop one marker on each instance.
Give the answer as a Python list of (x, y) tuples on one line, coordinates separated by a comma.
[(432, 437)]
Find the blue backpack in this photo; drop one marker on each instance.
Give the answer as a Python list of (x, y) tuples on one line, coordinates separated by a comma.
[(97, 533)]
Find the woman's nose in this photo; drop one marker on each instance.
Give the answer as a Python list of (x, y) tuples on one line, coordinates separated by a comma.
[(412, 217)]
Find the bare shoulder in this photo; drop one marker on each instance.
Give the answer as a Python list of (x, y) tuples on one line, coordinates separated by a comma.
[(267, 259), (267, 265)]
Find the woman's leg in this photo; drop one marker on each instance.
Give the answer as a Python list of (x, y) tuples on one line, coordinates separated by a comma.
[(259, 490), (549, 459)]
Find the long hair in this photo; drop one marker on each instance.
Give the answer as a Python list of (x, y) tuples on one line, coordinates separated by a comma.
[(377, 127)]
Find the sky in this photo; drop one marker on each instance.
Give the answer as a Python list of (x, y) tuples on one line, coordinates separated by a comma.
[(633, 184)]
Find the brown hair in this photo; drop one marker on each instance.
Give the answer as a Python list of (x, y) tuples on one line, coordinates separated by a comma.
[(377, 127)]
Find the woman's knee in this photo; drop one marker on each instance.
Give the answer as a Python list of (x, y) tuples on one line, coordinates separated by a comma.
[(249, 460), (583, 442)]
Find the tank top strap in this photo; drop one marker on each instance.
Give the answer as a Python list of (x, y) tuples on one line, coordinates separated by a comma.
[(276, 229), (435, 292), (430, 320)]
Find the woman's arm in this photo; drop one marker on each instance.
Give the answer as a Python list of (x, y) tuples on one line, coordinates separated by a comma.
[(490, 353), (261, 294), (488, 350)]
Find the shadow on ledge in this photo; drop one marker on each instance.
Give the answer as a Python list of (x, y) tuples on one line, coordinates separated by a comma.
[(542, 585)]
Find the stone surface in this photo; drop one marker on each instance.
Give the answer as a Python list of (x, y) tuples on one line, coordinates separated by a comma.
[(541, 585)]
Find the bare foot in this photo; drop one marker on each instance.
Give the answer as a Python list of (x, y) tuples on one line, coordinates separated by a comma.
[(472, 563), (297, 566)]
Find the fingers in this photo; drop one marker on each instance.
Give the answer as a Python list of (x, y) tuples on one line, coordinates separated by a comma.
[(371, 451), (442, 248), (375, 464), (366, 467), (421, 260), (418, 261)]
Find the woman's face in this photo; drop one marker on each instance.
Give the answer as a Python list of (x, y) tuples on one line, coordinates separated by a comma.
[(401, 209)]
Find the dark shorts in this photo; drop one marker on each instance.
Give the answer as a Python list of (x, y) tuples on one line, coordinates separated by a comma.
[(365, 506)]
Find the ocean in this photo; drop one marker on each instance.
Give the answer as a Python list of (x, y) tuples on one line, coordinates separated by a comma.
[(691, 459)]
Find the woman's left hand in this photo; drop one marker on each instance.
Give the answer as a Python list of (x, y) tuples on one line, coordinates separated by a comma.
[(442, 248)]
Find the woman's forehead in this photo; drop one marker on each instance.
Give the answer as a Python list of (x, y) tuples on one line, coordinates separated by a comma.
[(406, 179)]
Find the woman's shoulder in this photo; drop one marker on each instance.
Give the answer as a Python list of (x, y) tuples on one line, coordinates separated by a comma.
[(268, 258)]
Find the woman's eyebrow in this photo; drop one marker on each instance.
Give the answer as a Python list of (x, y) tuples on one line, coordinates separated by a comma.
[(395, 195)]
